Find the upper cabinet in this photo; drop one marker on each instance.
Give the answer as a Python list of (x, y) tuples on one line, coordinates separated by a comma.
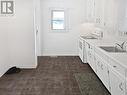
[(99, 13), (90, 11), (111, 15), (122, 17), (95, 12)]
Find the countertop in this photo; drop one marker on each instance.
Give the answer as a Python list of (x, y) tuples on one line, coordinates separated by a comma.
[(120, 58)]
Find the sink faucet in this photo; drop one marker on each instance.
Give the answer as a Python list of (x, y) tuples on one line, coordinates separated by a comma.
[(121, 45)]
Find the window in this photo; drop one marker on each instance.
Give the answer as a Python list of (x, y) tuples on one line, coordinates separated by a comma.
[(58, 20)]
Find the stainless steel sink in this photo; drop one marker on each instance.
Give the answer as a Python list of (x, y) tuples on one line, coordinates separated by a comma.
[(112, 49), (88, 37)]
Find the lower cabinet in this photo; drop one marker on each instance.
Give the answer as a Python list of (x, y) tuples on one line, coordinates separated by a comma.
[(88, 52), (90, 56), (113, 78), (117, 83), (102, 71), (80, 48)]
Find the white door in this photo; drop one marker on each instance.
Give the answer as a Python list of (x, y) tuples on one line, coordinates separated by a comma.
[(117, 83)]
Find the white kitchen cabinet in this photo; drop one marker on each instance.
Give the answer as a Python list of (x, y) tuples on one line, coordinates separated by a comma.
[(117, 83), (99, 13), (80, 48), (88, 52), (111, 73), (90, 10), (90, 56), (95, 12), (84, 52), (117, 67), (113, 15), (102, 71), (98, 62)]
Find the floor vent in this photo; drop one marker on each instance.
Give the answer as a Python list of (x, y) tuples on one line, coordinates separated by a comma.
[(54, 56)]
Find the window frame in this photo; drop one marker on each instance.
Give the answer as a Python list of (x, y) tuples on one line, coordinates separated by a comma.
[(52, 19), (66, 21)]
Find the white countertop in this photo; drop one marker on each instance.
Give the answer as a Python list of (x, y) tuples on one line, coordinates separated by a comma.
[(120, 58)]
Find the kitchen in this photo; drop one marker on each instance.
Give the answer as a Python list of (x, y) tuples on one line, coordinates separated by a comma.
[(63, 47)]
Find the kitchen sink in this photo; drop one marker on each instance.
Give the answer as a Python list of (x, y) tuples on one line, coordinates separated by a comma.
[(88, 37), (112, 49)]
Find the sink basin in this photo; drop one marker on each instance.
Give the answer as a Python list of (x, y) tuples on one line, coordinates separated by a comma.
[(112, 49)]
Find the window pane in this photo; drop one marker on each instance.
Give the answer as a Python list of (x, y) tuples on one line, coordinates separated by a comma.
[(58, 20)]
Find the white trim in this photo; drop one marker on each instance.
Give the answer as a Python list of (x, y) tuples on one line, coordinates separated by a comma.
[(70, 54)]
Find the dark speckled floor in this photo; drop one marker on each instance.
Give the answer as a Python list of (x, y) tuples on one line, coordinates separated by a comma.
[(54, 76)]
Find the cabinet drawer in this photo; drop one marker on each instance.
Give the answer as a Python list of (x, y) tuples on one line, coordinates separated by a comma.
[(117, 67)]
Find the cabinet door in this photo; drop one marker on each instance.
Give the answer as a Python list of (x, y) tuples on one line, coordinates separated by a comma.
[(111, 15), (88, 52), (105, 74), (90, 10), (99, 13), (80, 49), (102, 71), (99, 73), (117, 83), (84, 53), (91, 57)]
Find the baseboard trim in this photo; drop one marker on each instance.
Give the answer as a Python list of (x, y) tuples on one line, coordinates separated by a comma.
[(53, 55)]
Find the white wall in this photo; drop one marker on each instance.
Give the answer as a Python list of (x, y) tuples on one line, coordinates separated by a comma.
[(4, 57), (115, 17), (21, 35), (17, 38), (61, 44)]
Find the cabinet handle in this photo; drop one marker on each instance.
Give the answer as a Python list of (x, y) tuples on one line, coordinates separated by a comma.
[(80, 45), (89, 46), (98, 63), (120, 86), (102, 66), (90, 54)]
